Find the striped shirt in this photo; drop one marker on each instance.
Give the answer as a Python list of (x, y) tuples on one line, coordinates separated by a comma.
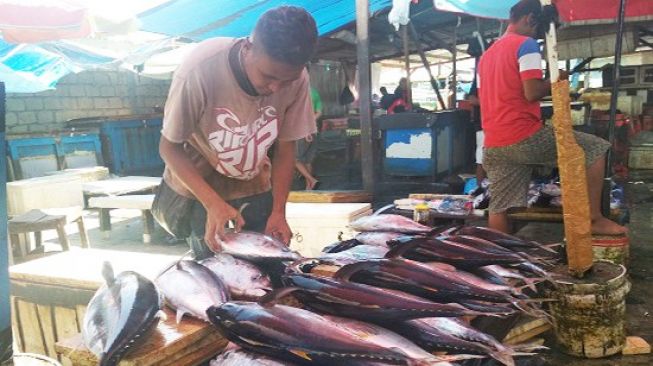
[(507, 117)]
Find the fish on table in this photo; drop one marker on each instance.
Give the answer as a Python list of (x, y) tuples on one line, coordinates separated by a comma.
[(190, 288), (389, 223), (453, 335), (256, 247), (120, 315), (241, 357), (305, 337), (244, 279), (360, 301)]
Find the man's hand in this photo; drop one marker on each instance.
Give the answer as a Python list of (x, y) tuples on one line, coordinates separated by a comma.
[(277, 227), (217, 216)]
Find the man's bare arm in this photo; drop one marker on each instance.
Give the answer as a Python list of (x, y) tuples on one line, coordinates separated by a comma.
[(283, 166), (218, 211)]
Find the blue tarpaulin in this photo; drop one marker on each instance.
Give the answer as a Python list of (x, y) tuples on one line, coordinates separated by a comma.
[(37, 67), (202, 19)]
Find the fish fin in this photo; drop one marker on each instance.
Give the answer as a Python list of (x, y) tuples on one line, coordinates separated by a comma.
[(180, 315), (402, 247), (301, 354), (271, 298), (383, 209), (449, 229), (175, 263), (107, 273), (345, 272)]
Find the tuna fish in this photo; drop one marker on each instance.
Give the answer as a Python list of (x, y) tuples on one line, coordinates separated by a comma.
[(419, 279), (502, 239), (501, 275), (244, 280), (366, 302), (341, 246), (389, 223), (356, 254), (386, 338), (190, 288), (119, 315), (256, 247), (241, 357), (450, 334), (459, 254), (302, 336), (377, 238)]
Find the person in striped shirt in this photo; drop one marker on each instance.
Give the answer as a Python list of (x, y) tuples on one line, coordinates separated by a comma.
[(510, 86)]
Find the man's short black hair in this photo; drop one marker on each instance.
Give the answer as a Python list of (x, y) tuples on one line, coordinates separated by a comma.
[(525, 8), (287, 34), (384, 90)]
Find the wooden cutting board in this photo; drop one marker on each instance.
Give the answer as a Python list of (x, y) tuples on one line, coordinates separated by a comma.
[(190, 342), (330, 196)]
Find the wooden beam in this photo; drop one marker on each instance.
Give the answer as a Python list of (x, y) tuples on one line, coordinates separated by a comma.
[(404, 40), (365, 92)]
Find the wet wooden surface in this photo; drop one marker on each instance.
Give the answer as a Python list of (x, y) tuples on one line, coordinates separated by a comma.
[(330, 196), (82, 269), (191, 342)]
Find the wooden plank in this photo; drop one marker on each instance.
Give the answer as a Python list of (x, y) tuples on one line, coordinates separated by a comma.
[(81, 268), (66, 322), (18, 337), (330, 196), (28, 321), (325, 270), (636, 346), (168, 344), (47, 328), (81, 310)]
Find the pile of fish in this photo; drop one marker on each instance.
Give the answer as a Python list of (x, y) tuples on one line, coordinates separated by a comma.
[(127, 307), (397, 299)]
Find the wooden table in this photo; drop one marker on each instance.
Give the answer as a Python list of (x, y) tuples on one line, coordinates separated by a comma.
[(121, 186), (49, 295), (190, 342)]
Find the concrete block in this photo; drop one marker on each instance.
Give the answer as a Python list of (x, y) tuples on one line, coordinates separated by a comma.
[(15, 104), (11, 119), (101, 102), (16, 129), (115, 102), (52, 104), (85, 104), (77, 90), (34, 103), (107, 91), (92, 90), (25, 118), (101, 78), (113, 77), (45, 117), (69, 103)]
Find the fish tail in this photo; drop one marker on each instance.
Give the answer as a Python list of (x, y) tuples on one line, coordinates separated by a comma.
[(527, 308)]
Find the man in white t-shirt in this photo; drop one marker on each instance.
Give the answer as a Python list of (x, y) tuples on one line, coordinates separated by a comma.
[(230, 101)]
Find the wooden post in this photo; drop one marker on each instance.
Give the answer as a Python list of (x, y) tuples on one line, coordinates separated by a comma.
[(454, 67), (365, 92), (571, 163), (6, 342), (613, 106), (427, 66), (404, 40)]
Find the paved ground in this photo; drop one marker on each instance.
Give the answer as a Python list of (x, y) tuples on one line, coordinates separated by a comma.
[(127, 229)]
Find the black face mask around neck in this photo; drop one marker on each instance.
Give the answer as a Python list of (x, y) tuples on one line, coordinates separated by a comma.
[(239, 71)]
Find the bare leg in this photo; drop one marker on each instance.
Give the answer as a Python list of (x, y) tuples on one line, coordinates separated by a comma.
[(600, 224), (480, 174), (499, 221), (311, 181)]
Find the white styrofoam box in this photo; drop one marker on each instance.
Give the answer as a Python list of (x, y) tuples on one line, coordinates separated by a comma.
[(59, 191), (316, 225)]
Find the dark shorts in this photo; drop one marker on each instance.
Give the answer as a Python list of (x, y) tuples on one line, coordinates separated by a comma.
[(509, 168), (185, 218)]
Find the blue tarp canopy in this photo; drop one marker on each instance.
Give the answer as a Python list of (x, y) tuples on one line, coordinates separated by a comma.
[(37, 67), (202, 19)]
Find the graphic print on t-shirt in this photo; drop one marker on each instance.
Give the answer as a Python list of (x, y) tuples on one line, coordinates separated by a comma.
[(241, 147)]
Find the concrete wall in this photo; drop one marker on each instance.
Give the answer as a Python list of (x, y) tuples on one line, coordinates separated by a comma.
[(87, 94)]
